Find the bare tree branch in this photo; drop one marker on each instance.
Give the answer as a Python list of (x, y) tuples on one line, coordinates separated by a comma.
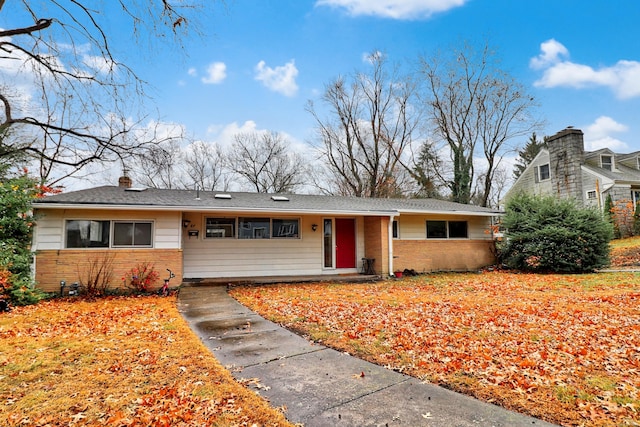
[(475, 109), (76, 101), (262, 161), (370, 127)]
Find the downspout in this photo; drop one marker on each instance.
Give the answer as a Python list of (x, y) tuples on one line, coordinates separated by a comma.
[(390, 236)]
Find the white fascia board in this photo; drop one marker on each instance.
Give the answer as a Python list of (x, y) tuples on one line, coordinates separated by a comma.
[(153, 208), (461, 213), (156, 208)]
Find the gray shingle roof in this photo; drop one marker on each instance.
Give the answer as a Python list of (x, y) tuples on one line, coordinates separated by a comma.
[(188, 200)]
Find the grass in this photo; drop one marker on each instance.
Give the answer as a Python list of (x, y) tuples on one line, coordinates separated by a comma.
[(625, 253), (127, 361), (563, 348)]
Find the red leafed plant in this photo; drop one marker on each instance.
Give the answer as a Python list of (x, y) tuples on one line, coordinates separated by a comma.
[(141, 278)]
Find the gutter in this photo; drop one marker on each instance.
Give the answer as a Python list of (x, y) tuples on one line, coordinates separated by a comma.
[(208, 209), (192, 208)]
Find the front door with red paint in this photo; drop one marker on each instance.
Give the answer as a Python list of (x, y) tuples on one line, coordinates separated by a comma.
[(345, 243)]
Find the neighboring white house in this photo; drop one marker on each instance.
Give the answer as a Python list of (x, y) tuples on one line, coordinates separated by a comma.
[(205, 235)]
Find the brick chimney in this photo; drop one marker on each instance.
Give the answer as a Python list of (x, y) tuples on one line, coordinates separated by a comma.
[(566, 156), (124, 181)]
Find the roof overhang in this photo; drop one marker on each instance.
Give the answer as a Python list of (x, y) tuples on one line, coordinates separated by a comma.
[(209, 209), (157, 208)]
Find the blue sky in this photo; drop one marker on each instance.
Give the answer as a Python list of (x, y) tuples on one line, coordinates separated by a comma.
[(259, 62)]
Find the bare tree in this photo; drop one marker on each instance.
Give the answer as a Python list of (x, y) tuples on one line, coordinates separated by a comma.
[(204, 167), (64, 93), (158, 166), (371, 124), (262, 161), (475, 108)]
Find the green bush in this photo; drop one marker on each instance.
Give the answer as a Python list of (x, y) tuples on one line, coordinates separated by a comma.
[(545, 234), (24, 292), (16, 226)]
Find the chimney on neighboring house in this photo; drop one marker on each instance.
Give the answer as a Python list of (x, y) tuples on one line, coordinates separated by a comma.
[(566, 156), (124, 181)]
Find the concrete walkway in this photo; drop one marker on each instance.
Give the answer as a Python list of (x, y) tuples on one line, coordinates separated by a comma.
[(319, 386)]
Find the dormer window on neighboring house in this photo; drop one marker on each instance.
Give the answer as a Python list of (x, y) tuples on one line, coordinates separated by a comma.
[(542, 172), (638, 162), (606, 162)]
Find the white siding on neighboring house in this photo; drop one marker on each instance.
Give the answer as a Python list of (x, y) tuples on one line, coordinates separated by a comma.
[(529, 181), (49, 233)]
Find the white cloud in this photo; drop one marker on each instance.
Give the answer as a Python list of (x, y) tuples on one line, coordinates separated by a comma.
[(598, 135), (281, 79), (192, 72), (551, 52), (623, 78), (394, 9), (216, 73), (224, 134)]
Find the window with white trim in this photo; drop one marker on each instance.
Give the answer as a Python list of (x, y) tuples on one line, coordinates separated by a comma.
[(447, 230), (591, 195), (87, 234), (542, 172), (606, 162), (252, 228), (106, 234), (220, 228), (285, 228), (132, 233)]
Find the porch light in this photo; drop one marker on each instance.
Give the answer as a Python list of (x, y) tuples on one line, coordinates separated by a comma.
[(314, 227), (186, 222)]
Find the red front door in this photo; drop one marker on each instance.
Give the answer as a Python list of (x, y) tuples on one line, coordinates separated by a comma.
[(345, 243)]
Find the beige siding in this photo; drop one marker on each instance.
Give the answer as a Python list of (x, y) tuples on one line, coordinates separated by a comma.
[(212, 258), (49, 234), (414, 227)]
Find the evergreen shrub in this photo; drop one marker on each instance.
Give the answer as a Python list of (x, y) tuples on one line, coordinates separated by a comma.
[(545, 234)]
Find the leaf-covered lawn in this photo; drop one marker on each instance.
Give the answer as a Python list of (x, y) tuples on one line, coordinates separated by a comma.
[(625, 252), (116, 362), (563, 348)]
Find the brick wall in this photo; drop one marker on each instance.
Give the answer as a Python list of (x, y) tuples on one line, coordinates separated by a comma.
[(376, 243), (70, 265), (442, 255)]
